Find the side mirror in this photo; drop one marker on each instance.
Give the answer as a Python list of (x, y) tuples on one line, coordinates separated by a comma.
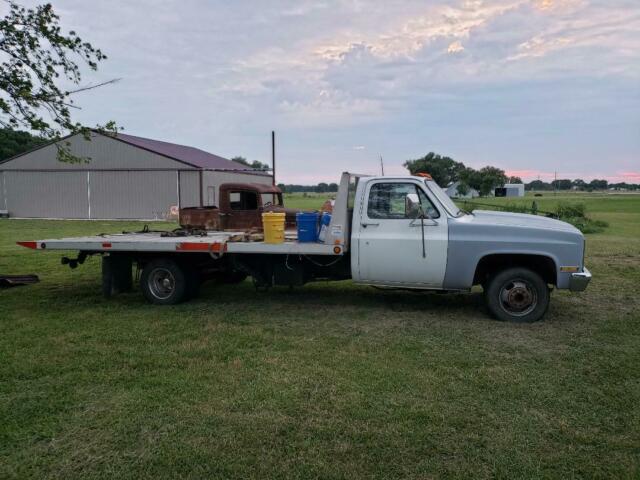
[(412, 207)]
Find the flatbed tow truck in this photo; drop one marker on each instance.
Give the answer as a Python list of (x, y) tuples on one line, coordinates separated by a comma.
[(392, 232)]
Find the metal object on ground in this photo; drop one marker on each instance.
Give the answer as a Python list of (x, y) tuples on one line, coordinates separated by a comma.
[(7, 281)]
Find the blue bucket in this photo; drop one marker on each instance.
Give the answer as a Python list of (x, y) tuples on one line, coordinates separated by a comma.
[(307, 226)]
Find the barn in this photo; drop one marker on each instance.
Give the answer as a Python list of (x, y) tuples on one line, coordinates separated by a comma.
[(125, 177)]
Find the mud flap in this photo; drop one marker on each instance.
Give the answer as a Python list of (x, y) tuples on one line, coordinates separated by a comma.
[(116, 275)]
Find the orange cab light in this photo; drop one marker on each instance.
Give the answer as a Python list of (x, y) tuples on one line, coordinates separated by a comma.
[(424, 175)]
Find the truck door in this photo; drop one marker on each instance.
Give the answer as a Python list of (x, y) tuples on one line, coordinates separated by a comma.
[(243, 210), (390, 241)]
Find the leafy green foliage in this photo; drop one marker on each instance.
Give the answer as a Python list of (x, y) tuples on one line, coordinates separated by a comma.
[(13, 142), (37, 59), (484, 180), (255, 165), (445, 170)]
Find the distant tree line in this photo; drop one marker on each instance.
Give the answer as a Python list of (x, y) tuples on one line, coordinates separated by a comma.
[(445, 170), (319, 188), (579, 184)]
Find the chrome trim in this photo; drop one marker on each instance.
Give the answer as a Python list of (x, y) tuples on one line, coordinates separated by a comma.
[(580, 280)]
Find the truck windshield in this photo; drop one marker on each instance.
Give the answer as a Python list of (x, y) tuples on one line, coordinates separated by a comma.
[(272, 198), (443, 198)]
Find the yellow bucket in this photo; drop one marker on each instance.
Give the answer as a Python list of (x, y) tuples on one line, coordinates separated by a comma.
[(273, 224)]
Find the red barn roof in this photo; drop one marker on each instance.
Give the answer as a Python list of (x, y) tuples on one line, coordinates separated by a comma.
[(189, 155)]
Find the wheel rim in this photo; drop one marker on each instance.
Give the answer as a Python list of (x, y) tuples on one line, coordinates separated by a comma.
[(162, 283), (518, 297)]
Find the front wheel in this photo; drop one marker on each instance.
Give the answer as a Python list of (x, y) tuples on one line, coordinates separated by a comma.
[(517, 295)]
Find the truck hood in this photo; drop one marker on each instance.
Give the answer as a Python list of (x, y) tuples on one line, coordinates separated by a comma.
[(490, 217)]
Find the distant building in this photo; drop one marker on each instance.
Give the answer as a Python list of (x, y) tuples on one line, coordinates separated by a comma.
[(127, 178), (452, 191), (510, 190)]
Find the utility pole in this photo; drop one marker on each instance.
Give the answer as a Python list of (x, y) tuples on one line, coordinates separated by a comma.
[(381, 165), (555, 182)]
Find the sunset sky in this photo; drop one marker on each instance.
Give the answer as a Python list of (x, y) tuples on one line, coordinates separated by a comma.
[(531, 86)]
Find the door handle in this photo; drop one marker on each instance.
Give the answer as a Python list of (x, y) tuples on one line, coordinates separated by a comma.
[(366, 224)]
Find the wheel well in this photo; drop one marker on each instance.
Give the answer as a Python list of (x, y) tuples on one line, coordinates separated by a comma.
[(542, 265)]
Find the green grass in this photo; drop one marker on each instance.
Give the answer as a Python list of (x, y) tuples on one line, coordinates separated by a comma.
[(332, 380), (309, 201)]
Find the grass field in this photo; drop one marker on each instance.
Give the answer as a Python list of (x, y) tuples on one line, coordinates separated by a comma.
[(331, 380)]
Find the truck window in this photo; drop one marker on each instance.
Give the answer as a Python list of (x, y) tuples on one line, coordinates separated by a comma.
[(243, 200), (387, 201)]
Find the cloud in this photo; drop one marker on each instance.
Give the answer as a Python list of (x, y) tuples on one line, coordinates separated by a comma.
[(455, 47), (518, 83), (359, 147)]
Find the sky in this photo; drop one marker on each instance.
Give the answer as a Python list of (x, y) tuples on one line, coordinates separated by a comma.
[(531, 86)]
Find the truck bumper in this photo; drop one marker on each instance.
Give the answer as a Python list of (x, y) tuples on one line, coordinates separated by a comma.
[(580, 280)]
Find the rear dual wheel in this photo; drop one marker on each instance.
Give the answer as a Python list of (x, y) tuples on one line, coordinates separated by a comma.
[(165, 282), (517, 295)]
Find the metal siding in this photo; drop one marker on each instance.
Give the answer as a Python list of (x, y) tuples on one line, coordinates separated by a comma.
[(126, 195), (47, 194), (104, 152), (3, 193), (189, 192)]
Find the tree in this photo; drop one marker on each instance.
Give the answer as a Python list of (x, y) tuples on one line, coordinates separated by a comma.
[(538, 185), (579, 184), (37, 60), (514, 180), (563, 184), (241, 160), (490, 178), (256, 165), (598, 184), (462, 189), (13, 142), (483, 180), (443, 170)]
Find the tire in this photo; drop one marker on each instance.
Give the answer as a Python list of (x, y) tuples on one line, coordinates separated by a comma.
[(163, 282), (517, 295)]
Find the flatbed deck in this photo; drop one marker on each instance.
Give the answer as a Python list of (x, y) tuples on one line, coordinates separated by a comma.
[(213, 242)]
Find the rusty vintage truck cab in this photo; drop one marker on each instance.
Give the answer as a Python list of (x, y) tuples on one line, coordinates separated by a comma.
[(240, 207)]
